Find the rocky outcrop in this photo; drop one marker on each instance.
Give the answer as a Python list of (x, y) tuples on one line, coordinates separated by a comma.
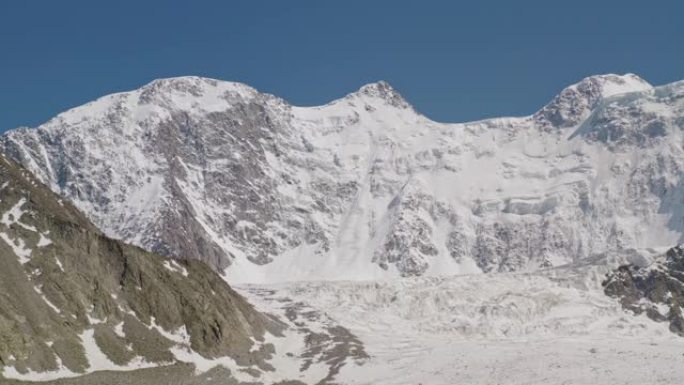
[(656, 290)]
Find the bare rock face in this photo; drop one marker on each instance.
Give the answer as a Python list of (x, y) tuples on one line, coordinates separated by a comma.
[(656, 290), (365, 186), (70, 296)]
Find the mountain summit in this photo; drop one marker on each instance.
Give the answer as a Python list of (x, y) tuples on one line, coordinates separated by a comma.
[(382, 90), (575, 102)]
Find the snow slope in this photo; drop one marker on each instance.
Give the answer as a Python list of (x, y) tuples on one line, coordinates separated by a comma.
[(366, 187)]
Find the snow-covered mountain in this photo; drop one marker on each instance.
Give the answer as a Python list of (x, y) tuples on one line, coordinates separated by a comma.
[(366, 186)]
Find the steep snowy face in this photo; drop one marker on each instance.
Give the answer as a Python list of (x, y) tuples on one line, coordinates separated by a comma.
[(365, 186)]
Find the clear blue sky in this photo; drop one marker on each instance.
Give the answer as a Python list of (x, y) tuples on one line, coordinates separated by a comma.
[(454, 60)]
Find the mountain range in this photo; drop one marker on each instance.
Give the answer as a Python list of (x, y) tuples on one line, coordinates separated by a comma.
[(366, 186)]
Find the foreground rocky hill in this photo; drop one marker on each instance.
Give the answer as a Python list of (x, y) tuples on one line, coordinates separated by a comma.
[(365, 186), (73, 301)]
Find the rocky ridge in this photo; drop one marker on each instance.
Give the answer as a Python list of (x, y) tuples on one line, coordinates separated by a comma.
[(74, 301)]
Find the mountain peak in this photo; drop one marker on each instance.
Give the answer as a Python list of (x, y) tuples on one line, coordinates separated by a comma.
[(575, 102), (612, 84), (382, 90), (195, 86)]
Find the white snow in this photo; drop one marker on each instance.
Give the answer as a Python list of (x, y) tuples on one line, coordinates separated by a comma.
[(99, 361), (43, 241), (18, 245), (118, 330), (175, 267), (626, 84), (39, 290), (59, 264), (14, 214), (286, 367), (179, 336), (19, 248), (612, 89), (92, 320), (203, 365), (63, 372)]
